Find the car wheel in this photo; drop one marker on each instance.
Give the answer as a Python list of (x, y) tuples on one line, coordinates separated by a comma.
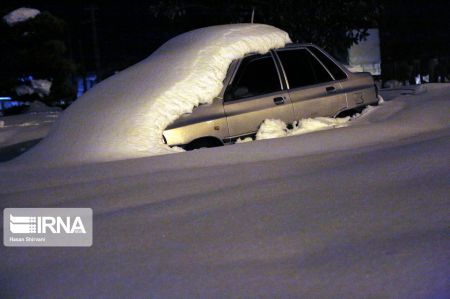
[(351, 112), (203, 143)]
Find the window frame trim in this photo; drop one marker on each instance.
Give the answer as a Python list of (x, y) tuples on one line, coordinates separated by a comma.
[(330, 58), (283, 85), (323, 65), (313, 56)]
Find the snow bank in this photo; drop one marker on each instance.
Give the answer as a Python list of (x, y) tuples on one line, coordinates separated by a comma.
[(274, 128), (318, 123), (39, 107), (39, 86), (125, 115), (22, 90), (25, 127), (244, 140), (20, 15), (271, 128)]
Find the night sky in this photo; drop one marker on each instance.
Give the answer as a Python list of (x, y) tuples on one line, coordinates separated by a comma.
[(129, 32)]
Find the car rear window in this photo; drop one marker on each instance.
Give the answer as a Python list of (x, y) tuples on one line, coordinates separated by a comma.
[(335, 70), (302, 69)]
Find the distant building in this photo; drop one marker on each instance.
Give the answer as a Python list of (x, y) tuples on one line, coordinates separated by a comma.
[(366, 56)]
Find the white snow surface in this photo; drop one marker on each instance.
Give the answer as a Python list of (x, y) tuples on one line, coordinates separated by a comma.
[(25, 127), (39, 86), (274, 128), (124, 116), (23, 89), (243, 140), (356, 212), (271, 128), (20, 15), (38, 107)]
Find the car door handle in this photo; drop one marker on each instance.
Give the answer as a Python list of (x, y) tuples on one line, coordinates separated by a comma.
[(330, 89), (278, 101)]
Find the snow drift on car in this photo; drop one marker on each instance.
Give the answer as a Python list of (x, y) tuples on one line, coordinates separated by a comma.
[(124, 116)]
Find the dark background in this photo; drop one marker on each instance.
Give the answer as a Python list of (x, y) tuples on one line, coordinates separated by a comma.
[(128, 31)]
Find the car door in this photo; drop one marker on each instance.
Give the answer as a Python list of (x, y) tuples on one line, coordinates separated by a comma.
[(255, 94), (312, 89)]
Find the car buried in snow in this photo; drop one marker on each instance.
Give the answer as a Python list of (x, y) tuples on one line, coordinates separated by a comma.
[(291, 83)]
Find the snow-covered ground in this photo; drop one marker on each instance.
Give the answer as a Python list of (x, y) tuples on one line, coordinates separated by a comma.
[(19, 133), (41, 87), (354, 212), (275, 128), (25, 127)]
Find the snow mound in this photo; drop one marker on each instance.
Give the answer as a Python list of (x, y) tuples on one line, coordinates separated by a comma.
[(39, 107), (318, 123), (22, 90), (244, 140), (25, 127), (275, 128), (124, 116), (40, 86), (271, 128), (20, 15)]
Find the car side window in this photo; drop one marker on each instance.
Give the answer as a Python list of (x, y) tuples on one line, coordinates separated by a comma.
[(257, 75), (302, 69), (335, 70)]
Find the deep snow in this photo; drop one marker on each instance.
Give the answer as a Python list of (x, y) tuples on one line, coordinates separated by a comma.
[(40, 86), (354, 212), (275, 128), (25, 127), (19, 133), (124, 116)]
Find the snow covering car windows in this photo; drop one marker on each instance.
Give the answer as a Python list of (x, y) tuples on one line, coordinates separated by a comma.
[(302, 68), (257, 75), (337, 73)]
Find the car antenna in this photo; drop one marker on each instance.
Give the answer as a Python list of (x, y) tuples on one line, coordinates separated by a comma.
[(253, 15)]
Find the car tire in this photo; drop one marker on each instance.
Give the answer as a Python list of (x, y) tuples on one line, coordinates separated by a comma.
[(203, 143)]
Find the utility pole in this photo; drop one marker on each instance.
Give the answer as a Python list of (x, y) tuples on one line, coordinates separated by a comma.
[(92, 9)]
